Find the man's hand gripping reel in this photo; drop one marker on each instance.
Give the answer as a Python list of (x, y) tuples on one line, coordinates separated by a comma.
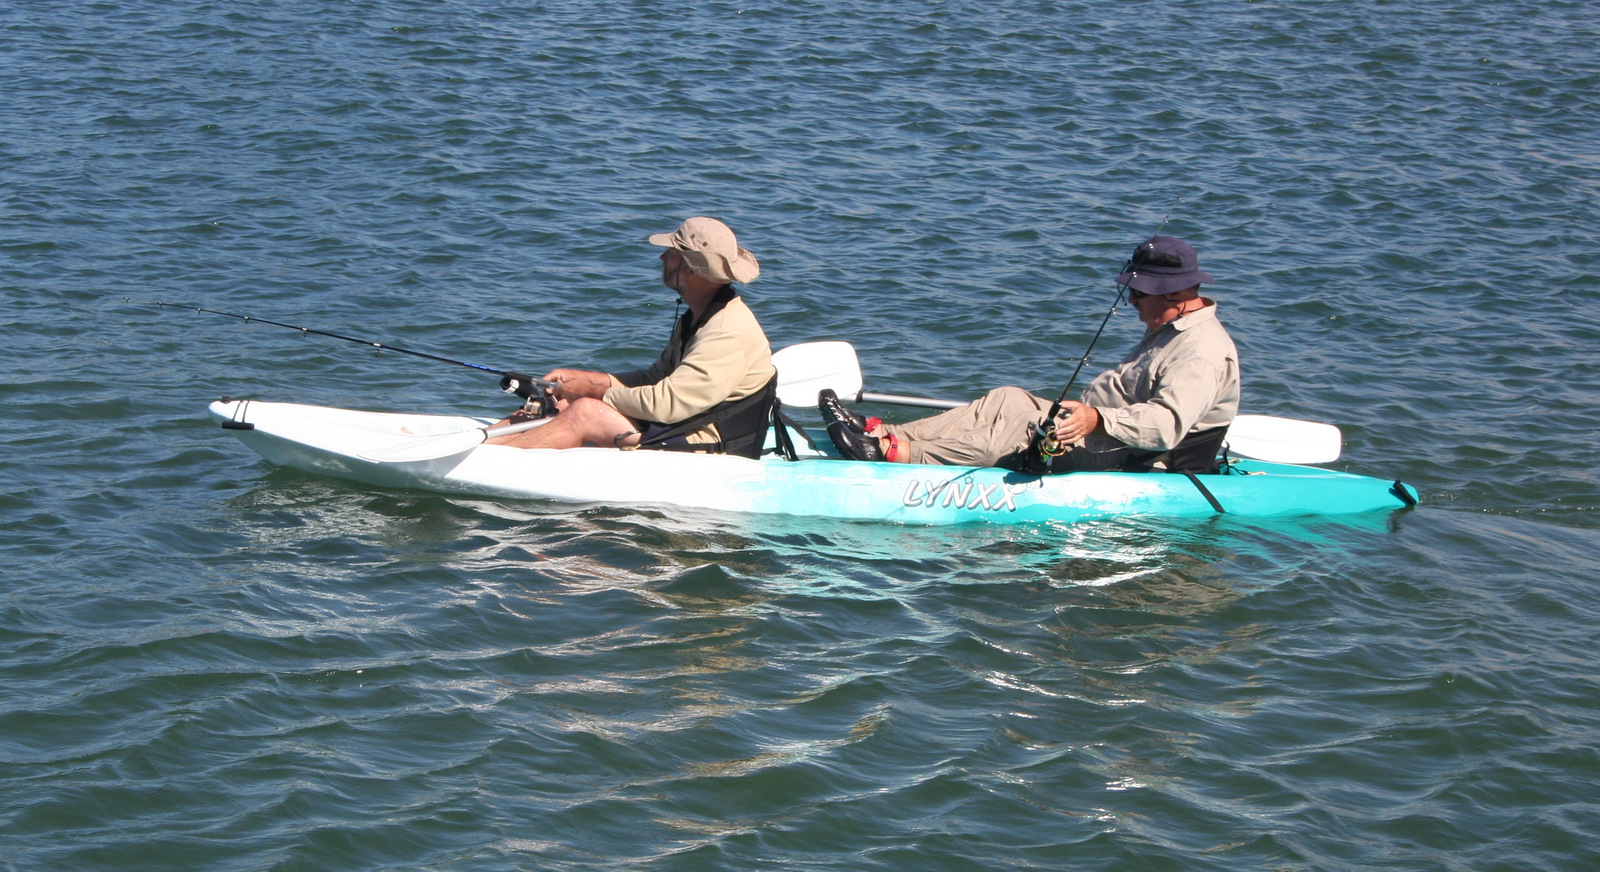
[(1043, 446), (535, 394)]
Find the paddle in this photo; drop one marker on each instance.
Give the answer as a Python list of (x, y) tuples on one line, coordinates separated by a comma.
[(805, 369)]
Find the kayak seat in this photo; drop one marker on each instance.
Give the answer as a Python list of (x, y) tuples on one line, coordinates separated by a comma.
[(743, 424)]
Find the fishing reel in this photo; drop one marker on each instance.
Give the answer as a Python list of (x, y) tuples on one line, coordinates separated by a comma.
[(1043, 447), (536, 402), (1047, 444)]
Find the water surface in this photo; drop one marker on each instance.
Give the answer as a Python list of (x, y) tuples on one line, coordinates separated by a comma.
[(211, 663)]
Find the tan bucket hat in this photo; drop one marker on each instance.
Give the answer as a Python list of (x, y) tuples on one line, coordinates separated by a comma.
[(711, 250)]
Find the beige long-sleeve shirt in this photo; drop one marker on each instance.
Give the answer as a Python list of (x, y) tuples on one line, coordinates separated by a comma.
[(726, 358), (1182, 376)]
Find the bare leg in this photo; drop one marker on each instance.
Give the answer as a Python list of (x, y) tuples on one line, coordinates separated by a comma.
[(901, 451), (583, 421)]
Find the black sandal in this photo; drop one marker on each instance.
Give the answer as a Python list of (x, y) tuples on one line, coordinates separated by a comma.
[(853, 443), (833, 410)]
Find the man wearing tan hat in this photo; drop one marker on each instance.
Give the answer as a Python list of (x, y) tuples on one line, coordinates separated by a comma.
[(711, 389), (1167, 405)]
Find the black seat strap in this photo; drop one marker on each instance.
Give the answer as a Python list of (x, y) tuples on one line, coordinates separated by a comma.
[(1205, 492), (743, 424)]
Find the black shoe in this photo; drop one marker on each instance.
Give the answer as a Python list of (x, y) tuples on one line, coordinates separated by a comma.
[(832, 410), (853, 443)]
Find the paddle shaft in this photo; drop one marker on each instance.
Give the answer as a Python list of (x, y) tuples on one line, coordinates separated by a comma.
[(900, 400), (508, 429), (424, 448)]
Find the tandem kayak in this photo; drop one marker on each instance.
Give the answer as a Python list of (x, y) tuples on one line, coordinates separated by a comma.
[(445, 454)]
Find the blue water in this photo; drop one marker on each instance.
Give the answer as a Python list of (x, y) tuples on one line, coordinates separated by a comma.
[(210, 663)]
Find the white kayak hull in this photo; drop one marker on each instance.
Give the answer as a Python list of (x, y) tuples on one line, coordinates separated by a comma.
[(344, 443)]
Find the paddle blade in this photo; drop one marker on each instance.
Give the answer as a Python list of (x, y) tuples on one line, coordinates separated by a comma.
[(807, 368), (1283, 440)]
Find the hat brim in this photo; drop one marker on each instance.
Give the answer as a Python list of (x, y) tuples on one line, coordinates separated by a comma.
[(1146, 282), (715, 268)]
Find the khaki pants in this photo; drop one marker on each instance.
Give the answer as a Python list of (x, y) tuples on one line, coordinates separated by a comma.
[(993, 427)]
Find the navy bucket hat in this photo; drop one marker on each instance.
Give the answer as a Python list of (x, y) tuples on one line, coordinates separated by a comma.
[(1163, 264)]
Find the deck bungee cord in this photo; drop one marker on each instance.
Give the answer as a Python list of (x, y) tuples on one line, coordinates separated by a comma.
[(530, 389)]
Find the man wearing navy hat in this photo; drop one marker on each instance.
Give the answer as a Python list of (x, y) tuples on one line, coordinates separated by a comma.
[(1167, 405)]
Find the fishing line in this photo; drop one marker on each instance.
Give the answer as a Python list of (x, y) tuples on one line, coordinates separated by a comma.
[(524, 386), (1044, 444)]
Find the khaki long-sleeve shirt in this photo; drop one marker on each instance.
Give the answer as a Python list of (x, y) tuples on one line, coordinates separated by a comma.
[(726, 358), (1181, 376)]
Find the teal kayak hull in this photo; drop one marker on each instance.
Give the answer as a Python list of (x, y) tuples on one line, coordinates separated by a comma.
[(949, 494), (342, 443)]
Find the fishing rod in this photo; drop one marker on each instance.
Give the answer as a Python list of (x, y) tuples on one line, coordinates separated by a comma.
[(527, 387), (1044, 444)]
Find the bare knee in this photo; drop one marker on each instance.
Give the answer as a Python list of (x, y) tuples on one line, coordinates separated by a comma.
[(598, 423), (583, 421)]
